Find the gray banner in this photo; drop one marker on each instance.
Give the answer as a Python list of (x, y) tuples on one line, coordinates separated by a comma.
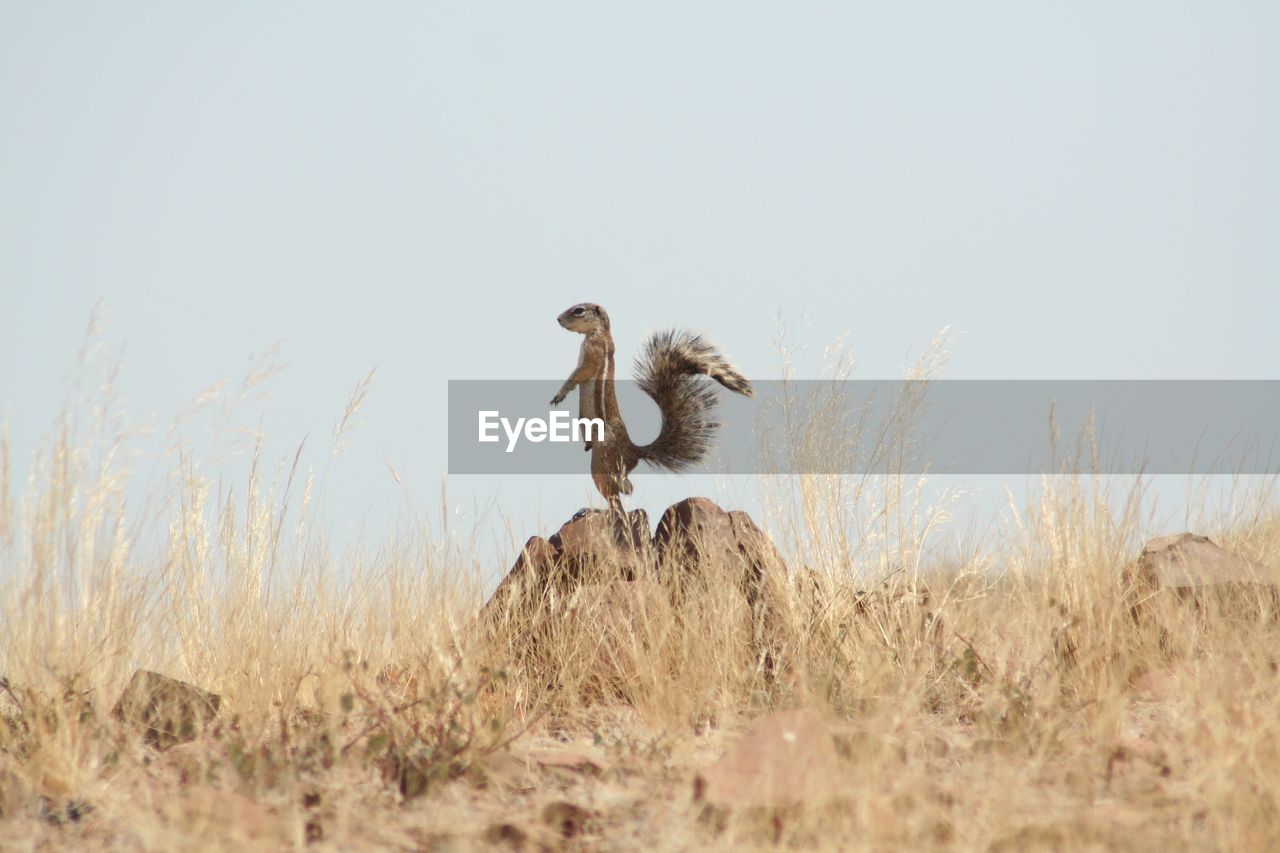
[(887, 426)]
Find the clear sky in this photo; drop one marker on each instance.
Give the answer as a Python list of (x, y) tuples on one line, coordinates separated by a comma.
[(1083, 190)]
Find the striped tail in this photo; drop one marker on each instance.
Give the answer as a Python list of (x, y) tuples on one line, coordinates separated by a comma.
[(667, 371)]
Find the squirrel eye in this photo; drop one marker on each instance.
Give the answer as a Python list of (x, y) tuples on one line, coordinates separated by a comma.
[(578, 312)]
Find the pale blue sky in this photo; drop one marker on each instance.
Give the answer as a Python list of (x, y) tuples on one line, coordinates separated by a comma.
[(1082, 190)]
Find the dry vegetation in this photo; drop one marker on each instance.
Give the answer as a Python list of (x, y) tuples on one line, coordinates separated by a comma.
[(1019, 704)]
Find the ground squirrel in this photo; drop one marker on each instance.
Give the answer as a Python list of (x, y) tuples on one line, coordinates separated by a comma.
[(665, 371)]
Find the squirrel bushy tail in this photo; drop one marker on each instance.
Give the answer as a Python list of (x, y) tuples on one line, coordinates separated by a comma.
[(666, 370)]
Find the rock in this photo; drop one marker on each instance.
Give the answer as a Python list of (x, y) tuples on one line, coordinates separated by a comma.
[(169, 711), (591, 539), (1187, 561), (618, 625), (695, 536), (524, 585), (1193, 570), (586, 567), (569, 819), (786, 759), (695, 531), (586, 547), (507, 834)]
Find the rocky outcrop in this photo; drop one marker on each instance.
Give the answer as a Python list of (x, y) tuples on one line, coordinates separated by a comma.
[(595, 559), (588, 548), (1187, 561), (696, 537), (1194, 569)]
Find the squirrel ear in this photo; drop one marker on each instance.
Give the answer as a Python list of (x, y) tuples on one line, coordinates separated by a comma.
[(604, 318)]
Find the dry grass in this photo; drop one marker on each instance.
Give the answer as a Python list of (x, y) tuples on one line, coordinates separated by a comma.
[(1003, 700)]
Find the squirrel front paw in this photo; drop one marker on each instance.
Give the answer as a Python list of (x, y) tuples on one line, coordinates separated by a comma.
[(557, 399)]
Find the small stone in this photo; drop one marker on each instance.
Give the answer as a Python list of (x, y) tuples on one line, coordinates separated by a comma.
[(569, 819), (506, 833), (169, 711), (786, 759)]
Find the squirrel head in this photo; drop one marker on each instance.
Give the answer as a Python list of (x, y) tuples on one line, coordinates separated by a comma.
[(584, 318)]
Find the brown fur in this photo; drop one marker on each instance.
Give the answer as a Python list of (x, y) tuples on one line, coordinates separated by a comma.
[(666, 373)]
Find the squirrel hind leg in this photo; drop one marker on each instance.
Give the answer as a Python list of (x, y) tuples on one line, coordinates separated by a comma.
[(610, 486)]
